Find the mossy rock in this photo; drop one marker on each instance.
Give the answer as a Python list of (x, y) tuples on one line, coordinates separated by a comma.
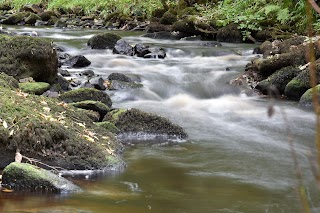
[(110, 127), (301, 83), (37, 88), (97, 106), (184, 27), (306, 98), (84, 94), (32, 18), (53, 132), (27, 177), (168, 18), (278, 80), (93, 115), (15, 18), (135, 124), (158, 13), (103, 41), (24, 56), (8, 81), (229, 33)]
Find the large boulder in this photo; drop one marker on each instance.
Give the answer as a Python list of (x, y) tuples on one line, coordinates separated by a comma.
[(229, 33), (77, 61), (23, 57), (37, 88), (278, 80), (84, 94), (103, 41), (15, 18), (53, 132), (27, 177), (135, 124)]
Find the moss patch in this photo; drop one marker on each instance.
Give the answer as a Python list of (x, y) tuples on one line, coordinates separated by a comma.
[(37, 88)]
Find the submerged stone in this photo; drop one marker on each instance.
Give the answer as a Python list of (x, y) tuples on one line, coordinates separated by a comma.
[(27, 177)]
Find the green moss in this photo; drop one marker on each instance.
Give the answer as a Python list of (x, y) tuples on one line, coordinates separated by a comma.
[(113, 116), (108, 126), (32, 178), (37, 88), (93, 105), (84, 94), (306, 98), (24, 56), (52, 131)]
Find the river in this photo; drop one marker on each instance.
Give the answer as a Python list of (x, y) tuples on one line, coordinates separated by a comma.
[(237, 159)]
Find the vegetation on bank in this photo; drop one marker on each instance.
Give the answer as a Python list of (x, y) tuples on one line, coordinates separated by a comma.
[(250, 15)]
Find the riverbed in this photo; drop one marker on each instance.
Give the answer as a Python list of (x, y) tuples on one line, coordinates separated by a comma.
[(237, 159)]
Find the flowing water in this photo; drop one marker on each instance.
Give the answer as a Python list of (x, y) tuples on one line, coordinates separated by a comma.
[(236, 159)]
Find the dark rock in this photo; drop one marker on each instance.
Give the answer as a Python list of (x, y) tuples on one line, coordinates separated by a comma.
[(84, 94), (61, 23), (47, 15), (63, 83), (229, 33), (103, 41), (278, 80), (156, 53), (157, 27), (77, 61), (168, 18), (32, 18), (301, 83), (119, 77), (257, 50), (34, 8), (15, 18), (22, 57), (163, 35), (96, 106), (123, 48), (263, 35), (88, 73), (138, 125), (27, 177), (86, 84), (64, 72), (158, 13), (141, 50), (185, 27), (98, 83)]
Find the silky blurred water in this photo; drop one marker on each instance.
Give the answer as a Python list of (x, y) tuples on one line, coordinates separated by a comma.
[(237, 159)]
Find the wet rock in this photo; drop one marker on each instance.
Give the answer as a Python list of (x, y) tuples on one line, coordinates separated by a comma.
[(118, 85), (96, 106), (192, 38), (211, 44), (88, 73), (300, 84), (119, 77), (47, 15), (15, 18), (84, 94), (27, 177), (64, 72), (278, 80), (98, 83), (141, 50), (17, 53), (138, 125), (32, 18), (40, 23), (61, 23), (77, 61), (229, 33), (63, 83), (185, 27), (36, 88), (103, 41), (156, 53), (123, 48)]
